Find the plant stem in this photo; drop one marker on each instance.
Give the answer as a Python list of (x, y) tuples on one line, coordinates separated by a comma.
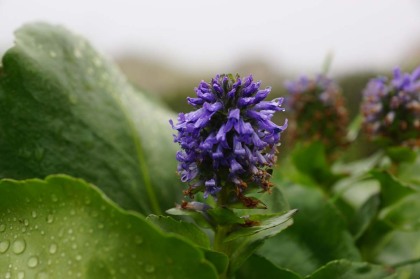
[(408, 262), (221, 231)]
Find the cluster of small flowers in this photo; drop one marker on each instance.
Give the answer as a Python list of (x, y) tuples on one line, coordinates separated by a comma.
[(391, 109), (319, 112), (229, 140)]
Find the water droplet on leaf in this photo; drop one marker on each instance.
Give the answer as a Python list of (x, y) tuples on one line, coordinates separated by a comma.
[(149, 268), (50, 218), (4, 246), (33, 261), (138, 240), (18, 246), (53, 248)]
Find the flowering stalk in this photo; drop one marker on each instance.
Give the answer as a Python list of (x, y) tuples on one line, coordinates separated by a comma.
[(229, 143), (391, 109), (319, 112), (228, 147)]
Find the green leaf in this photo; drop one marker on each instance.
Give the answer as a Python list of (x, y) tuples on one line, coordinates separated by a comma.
[(409, 172), (311, 161), (257, 267), (318, 234), (396, 248), (392, 189), (404, 214), (399, 154), (241, 247), (365, 216), (219, 260), (65, 228), (186, 230), (224, 216), (344, 269), (66, 109), (265, 225)]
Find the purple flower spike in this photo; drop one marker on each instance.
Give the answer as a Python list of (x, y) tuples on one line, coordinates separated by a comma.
[(229, 139), (319, 112), (391, 109)]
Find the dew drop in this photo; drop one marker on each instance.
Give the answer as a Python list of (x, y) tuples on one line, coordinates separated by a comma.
[(18, 246), (54, 198), (50, 218), (26, 222), (33, 261), (2, 227), (42, 275), (149, 268), (8, 275), (78, 258), (53, 54), (33, 214), (4, 245), (100, 226), (21, 275), (138, 240), (53, 248)]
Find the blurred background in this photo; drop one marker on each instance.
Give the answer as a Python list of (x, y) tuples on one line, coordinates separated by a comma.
[(167, 47)]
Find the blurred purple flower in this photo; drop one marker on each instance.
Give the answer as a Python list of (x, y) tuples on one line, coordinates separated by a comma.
[(318, 112), (391, 108), (229, 139)]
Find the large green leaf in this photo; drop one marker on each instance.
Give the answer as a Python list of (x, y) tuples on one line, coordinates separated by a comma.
[(409, 172), (344, 269), (265, 226), (65, 228), (392, 189), (365, 216), (65, 109), (243, 243), (318, 235), (257, 267), (404, 214), (311, 161), (188, 230)]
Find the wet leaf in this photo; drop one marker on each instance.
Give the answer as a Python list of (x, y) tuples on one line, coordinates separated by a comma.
[(66, 109), (65, 228)]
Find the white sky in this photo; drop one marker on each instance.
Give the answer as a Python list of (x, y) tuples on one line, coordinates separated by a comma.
[(191, 34)]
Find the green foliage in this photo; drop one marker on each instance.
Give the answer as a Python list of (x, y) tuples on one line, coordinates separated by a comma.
[(65, 228), (257, 267), (65, 109), (344, 269), (187, 230), (318, 235), (311, 161)]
